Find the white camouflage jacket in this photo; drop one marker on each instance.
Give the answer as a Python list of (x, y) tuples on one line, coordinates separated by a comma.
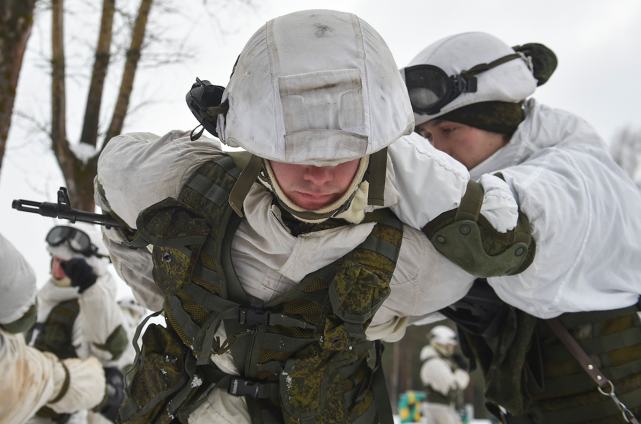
[(583, 209)]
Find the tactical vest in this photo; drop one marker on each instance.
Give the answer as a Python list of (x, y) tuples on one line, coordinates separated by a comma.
[(302, 357), (55, 335), (530, 373), (434, 396)]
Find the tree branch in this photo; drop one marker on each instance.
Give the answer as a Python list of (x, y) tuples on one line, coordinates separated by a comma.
[(131, 64), (89, 133), (16, 21), (58, 92)]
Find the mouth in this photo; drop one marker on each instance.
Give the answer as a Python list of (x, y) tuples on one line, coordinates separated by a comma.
[(316, 197)]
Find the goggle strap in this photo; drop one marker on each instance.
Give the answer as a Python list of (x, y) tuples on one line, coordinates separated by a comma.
[(377, 174), (487, 66)]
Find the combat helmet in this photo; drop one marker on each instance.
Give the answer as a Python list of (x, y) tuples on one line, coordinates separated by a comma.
[(315, 87)]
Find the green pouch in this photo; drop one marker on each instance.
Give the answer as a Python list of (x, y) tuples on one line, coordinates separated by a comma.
[(177, 232), (311, 387), (355, 293), (157, 378)]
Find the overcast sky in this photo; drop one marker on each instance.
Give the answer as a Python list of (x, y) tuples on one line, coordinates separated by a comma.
[(596, 42)]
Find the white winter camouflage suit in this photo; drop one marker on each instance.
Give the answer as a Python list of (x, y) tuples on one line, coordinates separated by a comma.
[(31, 378), (138, 170)]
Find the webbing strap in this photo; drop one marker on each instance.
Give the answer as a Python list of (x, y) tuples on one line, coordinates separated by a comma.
[(290, 321), (471, 203), (208, 189), (137, 243), (482, 67), (209, 276), (210, 247), (317, 296), (377, 175), (275, 367), (350, 395), (228, 164), (354, 323), (244, 183), (348, 370), (379, 388), (279, 343), (209, 301), (381, 247)]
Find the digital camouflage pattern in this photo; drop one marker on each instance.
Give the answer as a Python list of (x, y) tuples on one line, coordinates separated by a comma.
[(313, 352), (55, 335), (531, 373)]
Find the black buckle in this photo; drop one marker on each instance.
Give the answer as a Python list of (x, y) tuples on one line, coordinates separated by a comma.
[(252, 316), (242, 387)]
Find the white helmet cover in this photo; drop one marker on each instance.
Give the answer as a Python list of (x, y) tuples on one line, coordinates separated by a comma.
[(315, 87), (442, 335), (17, 282), (510, 82)]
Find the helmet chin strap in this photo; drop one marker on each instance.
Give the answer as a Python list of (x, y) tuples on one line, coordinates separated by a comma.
[(368, 183), (339, 207)]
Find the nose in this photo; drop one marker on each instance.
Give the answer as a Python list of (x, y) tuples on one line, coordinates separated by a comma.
[(319, 175)]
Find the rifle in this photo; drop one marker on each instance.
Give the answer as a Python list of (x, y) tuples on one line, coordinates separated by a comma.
[(63, 210)]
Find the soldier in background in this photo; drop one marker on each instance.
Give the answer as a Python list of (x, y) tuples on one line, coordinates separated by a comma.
[(442, 377), (78, 316), (30, 378)]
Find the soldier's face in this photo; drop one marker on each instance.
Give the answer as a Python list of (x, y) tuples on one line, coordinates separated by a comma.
[(314, 187), (466, 144), (56, 269)]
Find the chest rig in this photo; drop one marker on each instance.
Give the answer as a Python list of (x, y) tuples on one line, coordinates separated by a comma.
[(302, 357), (55, 335)]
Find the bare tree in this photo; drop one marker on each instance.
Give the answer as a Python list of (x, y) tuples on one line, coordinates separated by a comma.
[(79, 171), (142, 46), (626, 151), (16, 21)]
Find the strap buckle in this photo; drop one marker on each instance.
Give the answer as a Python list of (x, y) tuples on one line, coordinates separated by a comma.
[(253, 316), (242, 387)]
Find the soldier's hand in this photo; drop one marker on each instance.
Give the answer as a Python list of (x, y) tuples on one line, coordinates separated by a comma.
[(115, 393), (80, 273)]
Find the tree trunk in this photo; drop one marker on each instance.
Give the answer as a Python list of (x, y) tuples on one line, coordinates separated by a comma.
[(16, 20), (127, 83), (100, 66)]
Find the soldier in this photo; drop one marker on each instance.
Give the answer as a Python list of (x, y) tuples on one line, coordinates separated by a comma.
[(275, 273), (442, 377), (470, 94), (78, 316), (30, 378)]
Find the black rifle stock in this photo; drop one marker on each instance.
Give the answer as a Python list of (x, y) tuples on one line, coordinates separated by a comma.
[(63, 210)]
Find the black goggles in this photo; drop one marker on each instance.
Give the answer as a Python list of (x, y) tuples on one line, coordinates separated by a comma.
[(77, 240), (430, 88)]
